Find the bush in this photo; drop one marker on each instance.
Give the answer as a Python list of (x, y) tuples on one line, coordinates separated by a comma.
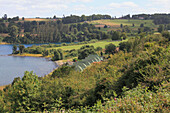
[(110, 48), (85, 51), (62, 71)]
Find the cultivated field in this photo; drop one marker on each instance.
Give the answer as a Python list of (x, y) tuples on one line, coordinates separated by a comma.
[(117, 22), (35, 19)]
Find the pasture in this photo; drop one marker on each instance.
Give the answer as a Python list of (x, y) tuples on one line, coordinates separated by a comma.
[(35, 19), (97, 44), (117, 22)]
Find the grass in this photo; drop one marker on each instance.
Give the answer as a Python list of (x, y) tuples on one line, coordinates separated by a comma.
[(2, 87), (30, 55), (97, 44), (3, 43), (127, 22)]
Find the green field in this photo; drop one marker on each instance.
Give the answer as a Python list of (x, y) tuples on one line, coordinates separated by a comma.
[(97, 44), (117, 22)]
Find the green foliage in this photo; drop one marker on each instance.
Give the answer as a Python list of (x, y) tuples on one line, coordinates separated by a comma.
[(136, 100), (13, 31), (58, 55), (14, 49), (23, 93), (85, 51), (21, 49), (110, 48), (124, 36), (105, 26), (166, 34), (133, 80), (98, 49), (45, 52), (62, 71), (115, 35), (160, 28)]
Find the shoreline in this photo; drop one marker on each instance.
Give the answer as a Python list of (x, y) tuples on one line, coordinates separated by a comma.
[(4, 43), (27, 55), (59, 63)]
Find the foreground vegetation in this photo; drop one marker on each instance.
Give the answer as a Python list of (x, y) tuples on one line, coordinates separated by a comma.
[(136, 79)]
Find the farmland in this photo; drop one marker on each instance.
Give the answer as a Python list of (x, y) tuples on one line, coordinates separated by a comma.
[(128, 22), (35, 19), (115, 24), (97, 44)]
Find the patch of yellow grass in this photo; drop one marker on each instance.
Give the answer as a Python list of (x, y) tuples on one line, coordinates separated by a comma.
[(36, 19), (30, 55), (105, 22), (2, 87), (3, 43)]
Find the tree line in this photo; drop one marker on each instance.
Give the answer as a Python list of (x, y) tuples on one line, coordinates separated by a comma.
[(75, 19), (53, 32)]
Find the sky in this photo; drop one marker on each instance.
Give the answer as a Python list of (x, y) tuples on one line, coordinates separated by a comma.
[(49, 8)]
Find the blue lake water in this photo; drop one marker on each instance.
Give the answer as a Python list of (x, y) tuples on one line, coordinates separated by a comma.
[(14, 66)]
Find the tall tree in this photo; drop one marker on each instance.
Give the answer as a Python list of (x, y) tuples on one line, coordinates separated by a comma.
[(21, 49), (14, 49)]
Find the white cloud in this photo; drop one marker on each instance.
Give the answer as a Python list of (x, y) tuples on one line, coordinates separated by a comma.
[(160, 3), (123, 5)]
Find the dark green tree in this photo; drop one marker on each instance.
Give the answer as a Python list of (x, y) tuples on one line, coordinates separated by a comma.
[(85, 51), (98, 48), (58, 55), (110, 48), (161, 28), (116, 35), (105, 26), (13, 31), (45, 53), (166, 34), (21, 49), (14, 49), (83, 18), (121, 25)]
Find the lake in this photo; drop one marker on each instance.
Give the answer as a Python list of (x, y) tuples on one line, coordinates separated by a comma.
[(15, 66)]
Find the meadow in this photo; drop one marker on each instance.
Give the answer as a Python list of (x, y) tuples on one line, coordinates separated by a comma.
[(117, 22), (97, 44)]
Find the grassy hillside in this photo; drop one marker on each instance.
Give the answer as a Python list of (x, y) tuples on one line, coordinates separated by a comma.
[(115, 24), (97, 44)]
